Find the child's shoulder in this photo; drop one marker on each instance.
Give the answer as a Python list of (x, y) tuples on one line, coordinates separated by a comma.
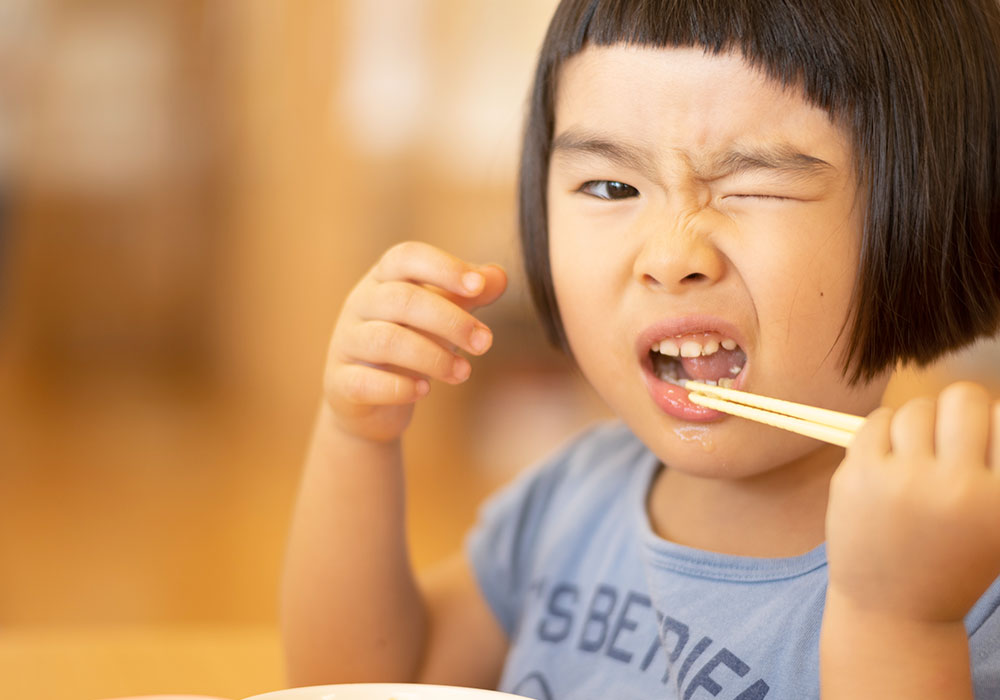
[(603, 449), (595, 464), (592, 484), (608, 439)]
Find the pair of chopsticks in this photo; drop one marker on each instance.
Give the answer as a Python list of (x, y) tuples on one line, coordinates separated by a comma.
[(819, 423)]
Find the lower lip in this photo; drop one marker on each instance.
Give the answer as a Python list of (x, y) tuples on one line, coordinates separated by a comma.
[(673, 400)]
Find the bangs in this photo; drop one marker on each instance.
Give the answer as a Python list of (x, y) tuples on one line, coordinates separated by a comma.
[(797, 44)]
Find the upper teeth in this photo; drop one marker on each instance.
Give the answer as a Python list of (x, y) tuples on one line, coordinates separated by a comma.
[(693, 348)]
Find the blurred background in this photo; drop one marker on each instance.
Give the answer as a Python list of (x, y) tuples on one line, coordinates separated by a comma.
[(188, 189)]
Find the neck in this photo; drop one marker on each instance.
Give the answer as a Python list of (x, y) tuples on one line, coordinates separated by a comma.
[(779, 513)]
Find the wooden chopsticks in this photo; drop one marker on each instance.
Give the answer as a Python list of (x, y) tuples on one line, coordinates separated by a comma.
[(819, 423)]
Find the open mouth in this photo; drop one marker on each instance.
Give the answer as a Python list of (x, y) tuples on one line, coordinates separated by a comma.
[(706, 356), (709, 358)]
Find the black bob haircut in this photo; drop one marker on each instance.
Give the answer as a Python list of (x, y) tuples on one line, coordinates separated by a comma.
[(915, 84)]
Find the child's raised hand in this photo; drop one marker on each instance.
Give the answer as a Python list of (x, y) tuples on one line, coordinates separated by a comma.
[(401, 326), (913, 525)]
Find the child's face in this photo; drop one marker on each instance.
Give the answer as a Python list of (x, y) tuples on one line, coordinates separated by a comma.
[(694, 201)]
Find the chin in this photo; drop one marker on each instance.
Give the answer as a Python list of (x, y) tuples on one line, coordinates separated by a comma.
[(729, 448)]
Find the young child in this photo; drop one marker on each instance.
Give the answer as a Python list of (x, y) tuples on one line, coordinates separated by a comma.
[(794, 195)]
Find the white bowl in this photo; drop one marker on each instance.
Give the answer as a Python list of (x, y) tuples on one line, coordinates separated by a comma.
[(385, 691)]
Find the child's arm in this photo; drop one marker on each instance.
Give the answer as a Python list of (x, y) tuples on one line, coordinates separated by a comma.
[(352, 609), (913, 537)]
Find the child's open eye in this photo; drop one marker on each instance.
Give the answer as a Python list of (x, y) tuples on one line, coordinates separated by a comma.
[(608, 189)]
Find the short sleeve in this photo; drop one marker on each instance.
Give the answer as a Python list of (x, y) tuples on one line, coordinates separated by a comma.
[(501, 546), (983, 624), (554, 503)]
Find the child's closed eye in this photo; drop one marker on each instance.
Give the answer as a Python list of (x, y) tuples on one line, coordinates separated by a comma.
[(608, 189), (751, 195)]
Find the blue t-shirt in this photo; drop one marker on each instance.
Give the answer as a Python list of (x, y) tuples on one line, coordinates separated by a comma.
[(597, 607)]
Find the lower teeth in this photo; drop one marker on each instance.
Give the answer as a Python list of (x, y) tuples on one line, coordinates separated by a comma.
[(669, 373)]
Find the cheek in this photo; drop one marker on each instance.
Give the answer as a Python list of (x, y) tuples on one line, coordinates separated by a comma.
[(828, 278), (586, 272), (577, 285), (804, 292), (588, 290)]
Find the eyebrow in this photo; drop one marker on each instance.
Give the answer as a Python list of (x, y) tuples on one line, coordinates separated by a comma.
[(779, 157), (576, 143)]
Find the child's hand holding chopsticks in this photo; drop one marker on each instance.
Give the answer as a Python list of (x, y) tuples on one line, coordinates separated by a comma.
[(913, 541), (913, 524)]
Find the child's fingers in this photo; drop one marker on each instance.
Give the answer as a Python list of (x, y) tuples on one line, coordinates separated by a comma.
[(384, 343), (495, 284), (422, 263), (911, 431), (495, 279), (364, 385), (873, 438), (426, 311), (963, 424)]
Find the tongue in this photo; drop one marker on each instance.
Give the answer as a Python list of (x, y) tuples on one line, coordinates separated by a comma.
[(715, 366)]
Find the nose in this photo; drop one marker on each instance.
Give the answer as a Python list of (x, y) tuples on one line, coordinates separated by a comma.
[(679, 252)]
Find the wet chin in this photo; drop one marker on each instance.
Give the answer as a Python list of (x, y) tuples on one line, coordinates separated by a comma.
[(729, 448)]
